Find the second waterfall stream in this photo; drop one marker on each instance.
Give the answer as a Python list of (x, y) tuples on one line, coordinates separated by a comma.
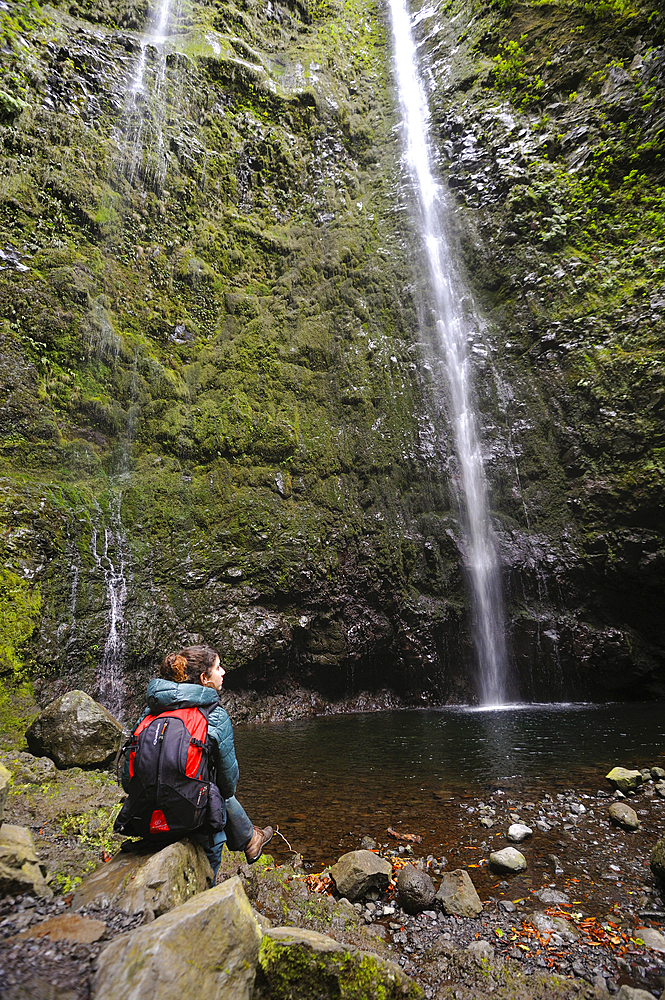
[(445, 295)]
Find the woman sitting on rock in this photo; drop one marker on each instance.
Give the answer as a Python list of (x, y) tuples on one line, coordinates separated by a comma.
[(193, 678)]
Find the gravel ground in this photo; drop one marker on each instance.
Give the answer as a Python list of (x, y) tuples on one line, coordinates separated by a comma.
[(602, 872), (40, 969)]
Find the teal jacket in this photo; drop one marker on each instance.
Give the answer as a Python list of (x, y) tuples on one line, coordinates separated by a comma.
[(165, 695)]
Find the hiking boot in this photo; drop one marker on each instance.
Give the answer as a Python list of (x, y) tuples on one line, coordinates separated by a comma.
[(258, 841)]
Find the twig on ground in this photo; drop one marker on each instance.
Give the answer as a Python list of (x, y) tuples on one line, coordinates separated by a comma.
[(284, 839)]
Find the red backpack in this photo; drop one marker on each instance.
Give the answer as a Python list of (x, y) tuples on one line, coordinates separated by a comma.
[(172, 789)]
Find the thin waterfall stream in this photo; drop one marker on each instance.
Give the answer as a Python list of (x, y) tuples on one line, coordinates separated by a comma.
[(145, 155), (453, 332)]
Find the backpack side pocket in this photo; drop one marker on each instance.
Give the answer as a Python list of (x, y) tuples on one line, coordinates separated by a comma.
[(216, 814)]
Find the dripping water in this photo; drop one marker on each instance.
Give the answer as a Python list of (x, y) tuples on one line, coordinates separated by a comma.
[(453, 332), (110, 550), (145, 103)]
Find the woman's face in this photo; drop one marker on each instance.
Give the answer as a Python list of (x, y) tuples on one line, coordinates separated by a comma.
[(215, 678)]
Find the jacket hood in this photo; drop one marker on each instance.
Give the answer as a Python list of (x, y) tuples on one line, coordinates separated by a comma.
[(163, 695)]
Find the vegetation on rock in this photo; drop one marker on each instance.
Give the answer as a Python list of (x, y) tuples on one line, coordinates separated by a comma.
[(211, 347)]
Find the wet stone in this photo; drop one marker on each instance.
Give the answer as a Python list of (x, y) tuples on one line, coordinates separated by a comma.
[(415, 889), (624, 780), (622, 815), (507, 860)]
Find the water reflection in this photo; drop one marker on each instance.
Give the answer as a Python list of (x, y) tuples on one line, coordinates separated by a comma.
[(328, 781)]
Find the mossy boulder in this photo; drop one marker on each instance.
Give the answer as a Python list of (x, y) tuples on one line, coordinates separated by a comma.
[(74, 731), (297, 964), (149, 882), (208, 947), (20, 869), (624, 779)]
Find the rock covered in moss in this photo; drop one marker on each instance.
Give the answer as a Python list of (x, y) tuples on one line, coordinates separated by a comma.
[(415, 889), (296, 964), (26, 769), (625, 780), (358, 871), (208, 947), (20, 871), (75, 731), (457, 895)]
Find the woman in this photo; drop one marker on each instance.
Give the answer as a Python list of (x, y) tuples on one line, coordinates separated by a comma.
[(193, 677)]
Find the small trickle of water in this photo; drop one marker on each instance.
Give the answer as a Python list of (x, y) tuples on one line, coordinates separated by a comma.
[(454, 333), (145, 102), (110, 550)]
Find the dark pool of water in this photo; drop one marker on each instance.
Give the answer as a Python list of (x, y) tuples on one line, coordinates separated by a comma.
[(326, 782)]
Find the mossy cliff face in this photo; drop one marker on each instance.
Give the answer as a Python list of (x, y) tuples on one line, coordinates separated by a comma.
[(549, 124), (217, 423)]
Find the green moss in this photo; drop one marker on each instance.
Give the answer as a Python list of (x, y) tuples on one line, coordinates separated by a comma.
[(17, 711), (93, 829), (297, 972), (20, 605), (512, 76)]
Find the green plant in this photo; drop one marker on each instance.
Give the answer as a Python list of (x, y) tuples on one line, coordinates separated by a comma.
[(65, 884), (512, 76), (94, 830)]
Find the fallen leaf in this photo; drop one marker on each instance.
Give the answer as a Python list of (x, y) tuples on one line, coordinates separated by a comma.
[(412, 838)]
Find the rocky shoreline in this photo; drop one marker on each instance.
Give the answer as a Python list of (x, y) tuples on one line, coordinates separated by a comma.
[(582, 920)]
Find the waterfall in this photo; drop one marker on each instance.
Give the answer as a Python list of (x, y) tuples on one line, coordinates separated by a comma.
[(145, 105), (454, 333), (112, 562)]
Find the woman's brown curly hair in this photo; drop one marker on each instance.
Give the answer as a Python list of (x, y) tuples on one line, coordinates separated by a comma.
[(187, 665)]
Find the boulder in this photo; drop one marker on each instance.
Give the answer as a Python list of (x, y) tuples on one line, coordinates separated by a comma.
[(5, 782), (302, 964), (652, 938), (622, 815), (660, 788), (518, 832), (625, 780), (207, 948), (74, 731), (27, 769), (481, 951), (657, 773), (457, 895), (657, 860), (20, 871), (629, 993), (507, 860), (415, 890), (152, 883), (358, 871)]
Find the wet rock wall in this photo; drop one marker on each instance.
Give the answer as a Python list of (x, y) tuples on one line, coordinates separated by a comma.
[(548, 120), (222, 417)]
